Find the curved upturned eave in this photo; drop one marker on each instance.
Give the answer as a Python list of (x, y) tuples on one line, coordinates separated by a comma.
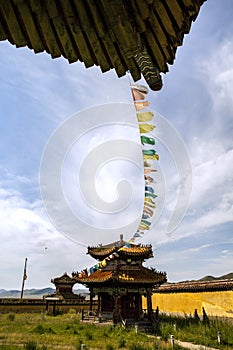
[(105, 33)]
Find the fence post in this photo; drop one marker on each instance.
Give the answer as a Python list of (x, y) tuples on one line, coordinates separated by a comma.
[(219, 337), (172, 341)]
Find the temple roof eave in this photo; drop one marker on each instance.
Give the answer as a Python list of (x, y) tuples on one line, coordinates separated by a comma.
[(129, 277), (64, 279), (108, 34), (136, 251), (196, 286)]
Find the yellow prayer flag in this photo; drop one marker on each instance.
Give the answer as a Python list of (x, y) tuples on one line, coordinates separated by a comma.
[(144, 227), (147, 204), (146, 199), (152, 157), (144, 128), (145, 117)]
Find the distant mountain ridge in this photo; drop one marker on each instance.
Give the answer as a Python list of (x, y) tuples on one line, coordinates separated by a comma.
[(39, 293), (212, 278), (28, 293), (34, 293)]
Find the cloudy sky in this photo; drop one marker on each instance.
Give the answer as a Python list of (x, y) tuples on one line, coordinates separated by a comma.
[(51, 109)]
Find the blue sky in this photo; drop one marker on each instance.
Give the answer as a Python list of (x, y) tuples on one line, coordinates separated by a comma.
[(38, 95)]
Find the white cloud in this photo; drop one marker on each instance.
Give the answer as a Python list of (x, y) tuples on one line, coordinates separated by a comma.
[(27, 232), (218, 75)]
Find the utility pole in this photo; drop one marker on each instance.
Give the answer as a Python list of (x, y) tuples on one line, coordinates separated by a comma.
[(24, 277)]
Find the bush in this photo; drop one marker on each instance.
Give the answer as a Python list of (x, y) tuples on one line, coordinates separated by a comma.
[(11, 317), (122, 343), (109, 347), (41, 329), (31, 345), (89, 336), (136, 346)]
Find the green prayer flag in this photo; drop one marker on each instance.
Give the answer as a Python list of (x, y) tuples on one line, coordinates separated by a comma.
[(149, 152), (148, 194), (146, 222), (148, 140)]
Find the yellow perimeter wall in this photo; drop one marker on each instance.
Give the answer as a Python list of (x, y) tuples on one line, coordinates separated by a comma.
[(215, 303)]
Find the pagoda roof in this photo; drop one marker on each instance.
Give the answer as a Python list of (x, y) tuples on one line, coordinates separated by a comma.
[(65, 279), (105, 33), (123, 251), (124, 276), (196, 286)]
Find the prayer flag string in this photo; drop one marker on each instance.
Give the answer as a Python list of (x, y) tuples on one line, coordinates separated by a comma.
[(149, 154), (139, 93)]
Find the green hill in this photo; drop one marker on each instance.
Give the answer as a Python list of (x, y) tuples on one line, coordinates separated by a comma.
[(212, 278)]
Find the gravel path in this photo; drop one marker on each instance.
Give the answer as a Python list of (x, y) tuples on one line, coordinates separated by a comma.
[(191, 346)]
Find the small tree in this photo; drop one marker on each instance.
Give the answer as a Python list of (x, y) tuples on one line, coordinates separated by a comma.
[(196, 316), (205, 318)]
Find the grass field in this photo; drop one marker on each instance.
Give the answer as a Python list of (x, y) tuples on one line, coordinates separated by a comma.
[(37, 331), (43, 332), (194, 330)]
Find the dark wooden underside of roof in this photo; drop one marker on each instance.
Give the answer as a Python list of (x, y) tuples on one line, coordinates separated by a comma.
[(106, 33), (192, 287), (125, 276)]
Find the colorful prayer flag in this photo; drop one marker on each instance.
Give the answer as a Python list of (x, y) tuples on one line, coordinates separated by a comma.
[(138, 95), (148, 171), (145, 116), (149, 200), (147, 210), (149, 179), (141, 105), (150, 205), (152, 157), (144, 128), (148, 194), (144, 227), (148, 152), (149, 189), (148, 140), (146, 164), (146, 222)]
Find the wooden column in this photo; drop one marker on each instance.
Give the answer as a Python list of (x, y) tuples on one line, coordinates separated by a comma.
[(140, 306), (91, 299), (100, 302), (149, 305), (116, 311)]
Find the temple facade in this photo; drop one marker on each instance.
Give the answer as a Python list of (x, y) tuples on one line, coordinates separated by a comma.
[(64, 289), (119, 280)]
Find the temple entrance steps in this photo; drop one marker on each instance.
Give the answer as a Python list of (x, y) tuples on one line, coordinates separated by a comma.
[(90, 316), (97, 317), (145, 326)]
